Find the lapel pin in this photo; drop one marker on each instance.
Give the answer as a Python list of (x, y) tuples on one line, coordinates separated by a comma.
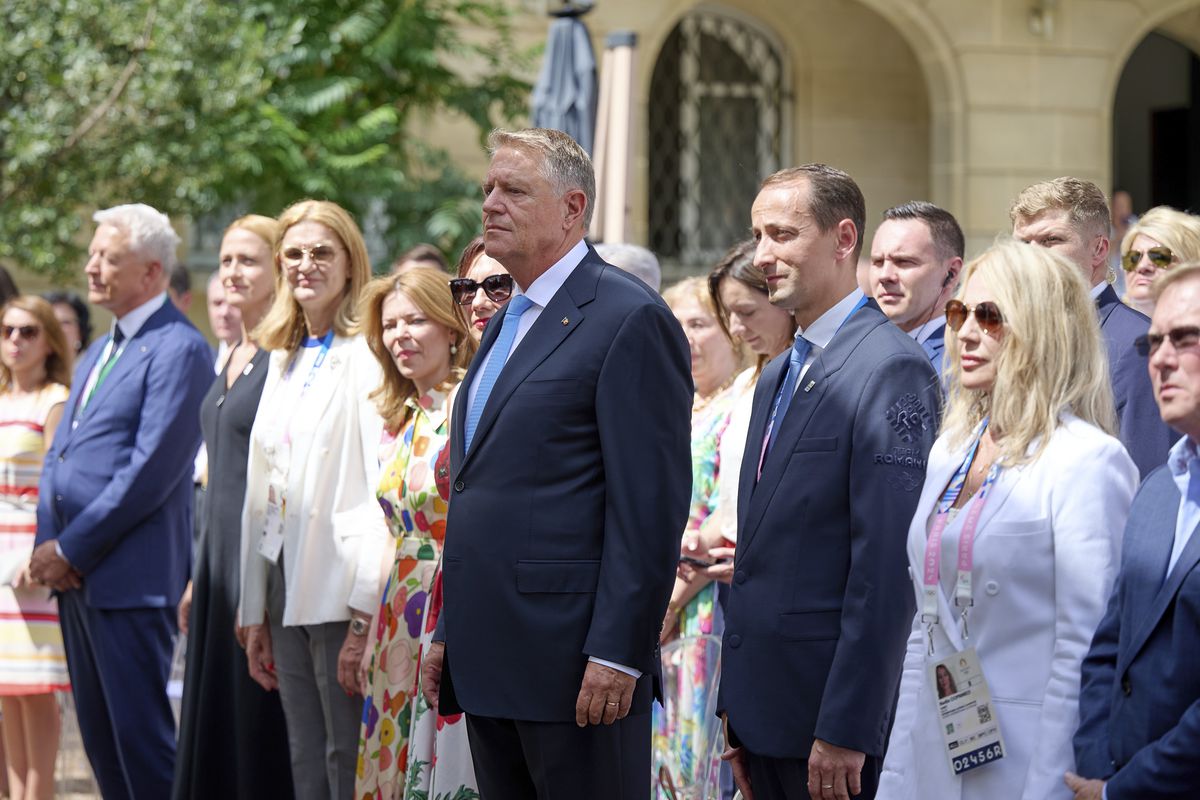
[(566, 321), (143, 348), (809, 386)]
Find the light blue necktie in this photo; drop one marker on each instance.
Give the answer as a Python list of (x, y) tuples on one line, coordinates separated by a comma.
[(496, 360), (800, 350)]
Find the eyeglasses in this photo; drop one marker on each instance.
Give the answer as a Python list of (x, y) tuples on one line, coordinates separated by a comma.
[(1181, 339), (987, 315), (321, 255), (498, 288), (1160, 257), (24, 332)]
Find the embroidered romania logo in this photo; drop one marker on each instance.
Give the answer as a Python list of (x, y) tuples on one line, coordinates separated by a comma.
[(908, 418)]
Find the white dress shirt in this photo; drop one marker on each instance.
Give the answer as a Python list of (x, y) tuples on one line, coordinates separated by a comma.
[(540, 293), (1098, 290)]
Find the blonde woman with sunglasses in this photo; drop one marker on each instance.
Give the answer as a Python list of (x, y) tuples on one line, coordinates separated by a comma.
[(1161, 239), (1014, 545)]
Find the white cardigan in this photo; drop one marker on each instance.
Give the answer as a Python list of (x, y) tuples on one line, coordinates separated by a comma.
[(334, 530), (1046, 555)]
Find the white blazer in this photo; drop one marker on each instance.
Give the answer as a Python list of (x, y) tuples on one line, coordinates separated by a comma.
[(334, 529), (1046, 555)]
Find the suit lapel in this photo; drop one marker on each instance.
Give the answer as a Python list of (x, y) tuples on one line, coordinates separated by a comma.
[(134, 353), (560, 317), (1150, 605), (1106, 303), (809, 391), (764, 396), (77, 384), (458, 414)]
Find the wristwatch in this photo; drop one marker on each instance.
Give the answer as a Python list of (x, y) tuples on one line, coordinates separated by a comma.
[(359, 626)]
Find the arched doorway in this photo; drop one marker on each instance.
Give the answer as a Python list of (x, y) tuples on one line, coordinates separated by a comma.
[(1156, 124)]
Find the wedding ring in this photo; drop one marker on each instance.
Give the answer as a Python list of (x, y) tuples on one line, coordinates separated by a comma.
[(610, 703), (826, 785)]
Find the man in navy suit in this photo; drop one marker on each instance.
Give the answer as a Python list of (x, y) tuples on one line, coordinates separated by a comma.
[(820, 607), (916, 256), (1139, 704), (114, 534), (571, 476), (1070, 216)]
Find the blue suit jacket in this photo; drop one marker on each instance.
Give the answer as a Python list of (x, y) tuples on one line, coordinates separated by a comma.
[(1139, 705), (1144, 434), (116, 489), (821, 605), (566, 514), (935, 348)]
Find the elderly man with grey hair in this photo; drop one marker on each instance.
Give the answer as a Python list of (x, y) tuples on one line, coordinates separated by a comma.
[(114, 518), (634, 259)]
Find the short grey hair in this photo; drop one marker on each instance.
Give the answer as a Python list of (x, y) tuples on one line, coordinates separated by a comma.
[(149, 231), (564, 163), (634, 259)]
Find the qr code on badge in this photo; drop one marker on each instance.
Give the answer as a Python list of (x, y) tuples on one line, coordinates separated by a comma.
[(985, 714)]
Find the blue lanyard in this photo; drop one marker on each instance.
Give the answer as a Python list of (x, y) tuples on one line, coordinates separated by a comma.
[(326, 341)]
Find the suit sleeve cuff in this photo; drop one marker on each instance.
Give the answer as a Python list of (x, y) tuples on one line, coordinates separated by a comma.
[(618, 667)]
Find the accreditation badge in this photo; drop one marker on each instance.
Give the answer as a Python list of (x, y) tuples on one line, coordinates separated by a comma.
[(270, 544), (965, 712)]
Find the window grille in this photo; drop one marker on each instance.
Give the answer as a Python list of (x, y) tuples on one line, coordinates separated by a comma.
[(716, 119)]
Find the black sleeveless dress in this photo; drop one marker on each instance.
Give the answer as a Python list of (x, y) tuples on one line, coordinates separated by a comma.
[(232, 738)]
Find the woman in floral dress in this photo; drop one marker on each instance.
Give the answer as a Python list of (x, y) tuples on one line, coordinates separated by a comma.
[(405, 749)]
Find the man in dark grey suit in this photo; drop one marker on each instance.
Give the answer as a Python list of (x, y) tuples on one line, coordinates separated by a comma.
[(1070, 216), (916, 256), (820, 606), (1139, 703)]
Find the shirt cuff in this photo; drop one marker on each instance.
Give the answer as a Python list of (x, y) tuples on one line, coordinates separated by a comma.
[(618, 667), (58, 551), (1104, 791)]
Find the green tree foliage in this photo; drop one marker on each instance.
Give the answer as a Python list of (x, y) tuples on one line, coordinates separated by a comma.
[(195, 105)]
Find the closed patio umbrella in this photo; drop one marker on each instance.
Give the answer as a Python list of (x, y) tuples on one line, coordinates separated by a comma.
[(565, 94)]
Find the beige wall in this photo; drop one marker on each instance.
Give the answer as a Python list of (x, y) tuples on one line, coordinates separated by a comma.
[(956, 101)]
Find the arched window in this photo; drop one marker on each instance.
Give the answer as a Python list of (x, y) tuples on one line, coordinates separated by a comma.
[(716, 130)]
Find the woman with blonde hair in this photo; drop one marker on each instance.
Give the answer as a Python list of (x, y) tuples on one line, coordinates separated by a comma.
[(232, 736), (312, 532), (35, 376), (1014, 545), (1159, 240), (423, 347)]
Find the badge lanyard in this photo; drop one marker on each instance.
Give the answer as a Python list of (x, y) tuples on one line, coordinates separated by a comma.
[(326, 341), (963, 595)]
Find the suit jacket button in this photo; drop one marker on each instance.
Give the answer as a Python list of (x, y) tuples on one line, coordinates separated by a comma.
[(1126, 686), (459, 486), (61, 459), (992, 588), (735, 641), (739, 577), (58, 497)]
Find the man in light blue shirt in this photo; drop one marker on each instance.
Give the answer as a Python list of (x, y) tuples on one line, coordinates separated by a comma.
[(1139, 703)]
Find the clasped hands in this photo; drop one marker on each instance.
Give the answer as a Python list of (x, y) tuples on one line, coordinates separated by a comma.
[(48, 568), (605, 694)]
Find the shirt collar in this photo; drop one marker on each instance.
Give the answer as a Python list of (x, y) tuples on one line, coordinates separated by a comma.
[(133, 321), (1181, 456), (821, 332), (1098, 290), (923, 333), (549, 282), (433, 403)]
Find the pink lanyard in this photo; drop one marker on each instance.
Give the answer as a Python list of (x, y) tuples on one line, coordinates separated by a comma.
[(963, 596)]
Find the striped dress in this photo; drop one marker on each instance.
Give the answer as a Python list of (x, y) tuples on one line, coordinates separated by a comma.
[(31, 647)]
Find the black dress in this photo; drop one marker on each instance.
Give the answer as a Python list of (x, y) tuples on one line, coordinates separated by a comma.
[(232, 738)]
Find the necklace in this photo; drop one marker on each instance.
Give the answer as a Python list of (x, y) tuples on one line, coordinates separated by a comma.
[(700, 403)]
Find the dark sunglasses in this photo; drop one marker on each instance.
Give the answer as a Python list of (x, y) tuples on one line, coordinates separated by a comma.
[(987, 315), (1160, 257), (498, 288), (26, 332), (1181, 338)]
